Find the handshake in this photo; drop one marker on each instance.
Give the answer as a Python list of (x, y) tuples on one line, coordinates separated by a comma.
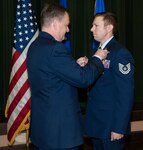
[(100, 53)]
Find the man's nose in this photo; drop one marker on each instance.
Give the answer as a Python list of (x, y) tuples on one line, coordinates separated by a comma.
[(91, 29)]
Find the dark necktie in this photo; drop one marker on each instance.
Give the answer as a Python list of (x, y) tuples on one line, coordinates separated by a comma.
[(99, 47)]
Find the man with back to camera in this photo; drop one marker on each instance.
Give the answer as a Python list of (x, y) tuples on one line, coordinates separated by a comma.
[(54, 77)]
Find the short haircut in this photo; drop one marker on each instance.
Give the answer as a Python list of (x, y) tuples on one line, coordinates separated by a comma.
[(51, 12), (109, 18)]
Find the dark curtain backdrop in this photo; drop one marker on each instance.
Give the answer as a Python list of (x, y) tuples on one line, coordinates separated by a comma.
[(130, 23)]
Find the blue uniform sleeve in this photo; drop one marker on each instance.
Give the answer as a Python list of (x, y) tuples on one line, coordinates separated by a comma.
[(66, 68), (124, 81)]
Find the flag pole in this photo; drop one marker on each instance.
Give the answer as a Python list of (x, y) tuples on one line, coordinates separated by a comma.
[(27, 138)]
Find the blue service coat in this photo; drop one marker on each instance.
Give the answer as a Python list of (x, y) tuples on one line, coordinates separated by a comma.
[(111, 97), (54, 77)]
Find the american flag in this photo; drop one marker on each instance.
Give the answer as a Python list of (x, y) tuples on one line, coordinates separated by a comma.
[(18, 103)]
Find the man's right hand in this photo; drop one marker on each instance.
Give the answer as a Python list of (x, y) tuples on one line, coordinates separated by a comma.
[(116, 136), (102, 54)]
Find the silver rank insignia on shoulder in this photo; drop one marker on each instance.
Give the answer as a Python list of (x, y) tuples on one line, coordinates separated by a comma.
[(124, 69)]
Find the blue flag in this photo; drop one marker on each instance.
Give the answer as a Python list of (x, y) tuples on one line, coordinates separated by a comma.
[(99, 8), (63, 3), (67, 42)]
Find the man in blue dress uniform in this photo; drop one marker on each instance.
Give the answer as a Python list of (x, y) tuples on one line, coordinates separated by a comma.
[(111, 97), (54, 77)]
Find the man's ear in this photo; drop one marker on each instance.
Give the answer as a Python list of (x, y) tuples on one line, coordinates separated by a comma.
[(110, 28), (54, 24)]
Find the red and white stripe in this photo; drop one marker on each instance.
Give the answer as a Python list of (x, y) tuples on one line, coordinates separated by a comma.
[(18, 104)]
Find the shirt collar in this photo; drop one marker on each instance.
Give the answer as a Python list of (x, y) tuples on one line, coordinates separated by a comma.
[(105, 43)]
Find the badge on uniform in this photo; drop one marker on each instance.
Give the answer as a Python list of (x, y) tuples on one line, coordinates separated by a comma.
[(124, 69), (106, 63)]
